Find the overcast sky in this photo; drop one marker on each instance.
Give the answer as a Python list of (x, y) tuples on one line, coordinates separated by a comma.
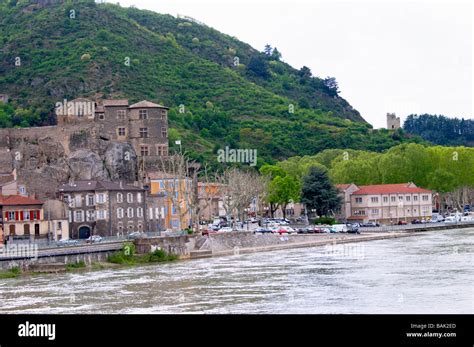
[(408, 57)]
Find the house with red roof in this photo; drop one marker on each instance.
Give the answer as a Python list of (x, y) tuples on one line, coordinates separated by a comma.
[(20, 216), (385, 203)]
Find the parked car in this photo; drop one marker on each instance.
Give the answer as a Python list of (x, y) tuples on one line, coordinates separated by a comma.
[(208, 231), (319, 231), (370, 225), (67, 242), (263, 230), (94, 239), (416, 221), (285, 230), (307, 230), (353, 229), (402, 222), (225, 229), (135, 235), (340, 228)]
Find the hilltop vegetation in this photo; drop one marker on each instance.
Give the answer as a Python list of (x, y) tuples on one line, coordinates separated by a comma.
[(441, 130), (221, 91)]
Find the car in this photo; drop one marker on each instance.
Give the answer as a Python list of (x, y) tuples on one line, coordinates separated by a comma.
[(402, 222), (307, 230), (353, 229), (94, 239), (284, 230), (136, 235), (67, 242), (225, 229), (263, 230), (370, 225), (318, 231), (208, 231), (416, 221)]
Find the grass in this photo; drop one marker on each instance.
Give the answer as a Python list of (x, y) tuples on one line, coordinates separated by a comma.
[(125, 257), (11, 273), (77, 265)]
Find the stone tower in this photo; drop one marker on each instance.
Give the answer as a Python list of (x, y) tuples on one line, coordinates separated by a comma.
[(393, 122)]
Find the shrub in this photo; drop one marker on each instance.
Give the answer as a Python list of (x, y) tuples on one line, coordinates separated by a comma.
[(76, 265), (324, 220)]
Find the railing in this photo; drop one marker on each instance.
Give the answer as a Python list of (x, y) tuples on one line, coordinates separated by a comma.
[(387, 228)]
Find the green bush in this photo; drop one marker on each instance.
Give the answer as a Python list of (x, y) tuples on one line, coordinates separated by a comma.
[(76, 265), (325, 220)]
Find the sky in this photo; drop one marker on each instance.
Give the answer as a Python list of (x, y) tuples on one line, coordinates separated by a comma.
[(405, 57)]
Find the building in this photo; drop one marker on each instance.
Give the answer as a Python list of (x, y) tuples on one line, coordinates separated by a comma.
[(386, 203), (173, 197), (211, 197), (345, 192), (56, 219), (21, 217), (393, 122), (144, 124), (103, 208)]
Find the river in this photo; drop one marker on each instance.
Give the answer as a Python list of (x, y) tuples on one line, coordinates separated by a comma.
[(428, 273)]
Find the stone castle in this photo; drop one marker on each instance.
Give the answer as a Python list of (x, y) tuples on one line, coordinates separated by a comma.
[(144, 125), (393, 122)]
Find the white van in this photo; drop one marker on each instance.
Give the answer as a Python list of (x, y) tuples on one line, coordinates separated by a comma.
[(340, 228)]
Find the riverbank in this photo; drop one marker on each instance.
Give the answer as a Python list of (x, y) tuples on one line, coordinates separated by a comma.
[(222, 245)]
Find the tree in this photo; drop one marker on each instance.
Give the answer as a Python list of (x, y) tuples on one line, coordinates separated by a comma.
[(318, 193), (258, 66), (305, 72), (282, 191), (267, 50), (331, 86), (276, 55)]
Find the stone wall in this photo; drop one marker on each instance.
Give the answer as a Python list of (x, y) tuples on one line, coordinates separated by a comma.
[(177, 245)]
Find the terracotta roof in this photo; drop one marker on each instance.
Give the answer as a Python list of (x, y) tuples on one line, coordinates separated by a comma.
[(118, 102), (78, 186), (12, 200), (390, 189), (146, 104)]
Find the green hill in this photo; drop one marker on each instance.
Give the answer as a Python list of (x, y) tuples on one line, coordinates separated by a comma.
[(70, 49)]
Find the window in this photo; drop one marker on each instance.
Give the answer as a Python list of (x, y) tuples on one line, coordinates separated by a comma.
[(100, 198), (425, 197), (119, 197), (129, 197), (164, 132), (90, 200), (407, 198), (163, 114), (11, 215), (143, 132), (400, 197), (120, 212), (385, 199), (130, 212), (150, 213), (157, 213), (101, 214), (425, 209), (415, 197), (375, 211), (90, 217), (359, 212), (78, 200), (139, 197), (139, 212), (68, 200), (358, 200), (121, 115), (78, 216), (22, 190), (374, 199), (142, 114), (36, 215), (101, 116), (121, 131), (26, 215), (392, 199), (59, 226), (144, 151)]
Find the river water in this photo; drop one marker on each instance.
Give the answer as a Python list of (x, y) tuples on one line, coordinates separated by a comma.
[(428, 273)]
